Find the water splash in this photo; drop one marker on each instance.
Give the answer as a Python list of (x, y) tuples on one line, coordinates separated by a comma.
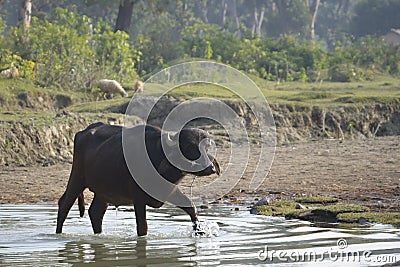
[(206, 229)]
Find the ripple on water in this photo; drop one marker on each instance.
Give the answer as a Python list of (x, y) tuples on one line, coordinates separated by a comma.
[(233, 238)]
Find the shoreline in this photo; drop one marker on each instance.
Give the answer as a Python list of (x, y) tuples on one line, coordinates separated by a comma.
[(361, 172)]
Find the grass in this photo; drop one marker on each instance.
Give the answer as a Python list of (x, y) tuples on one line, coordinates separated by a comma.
[(97, 106), (279, 208), (316, 200), (12, 87), (18, 90), (382, 217), (333, 94), (384, 89), (320, 212), (39, 119)]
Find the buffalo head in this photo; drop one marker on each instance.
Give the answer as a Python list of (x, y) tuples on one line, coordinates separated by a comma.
[(189, 150)]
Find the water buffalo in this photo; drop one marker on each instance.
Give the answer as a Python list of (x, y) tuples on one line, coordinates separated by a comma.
[(99, 164)]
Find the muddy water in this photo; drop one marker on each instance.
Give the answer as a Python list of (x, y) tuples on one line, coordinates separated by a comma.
[(27, 239)]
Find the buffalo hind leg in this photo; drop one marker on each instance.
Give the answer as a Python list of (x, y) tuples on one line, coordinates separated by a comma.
[(141, 223), (64, 205), (96, 213)]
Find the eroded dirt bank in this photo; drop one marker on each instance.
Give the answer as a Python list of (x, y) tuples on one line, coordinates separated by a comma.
[(50, 140), (350, 152)]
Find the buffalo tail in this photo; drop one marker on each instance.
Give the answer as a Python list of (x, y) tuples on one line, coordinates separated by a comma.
[(81, 204)]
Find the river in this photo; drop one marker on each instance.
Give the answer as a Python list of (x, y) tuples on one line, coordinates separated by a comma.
[(235, 238)]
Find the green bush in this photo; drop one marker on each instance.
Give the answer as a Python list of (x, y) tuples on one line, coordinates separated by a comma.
[(25, 67), (342, 73), (71, 52)]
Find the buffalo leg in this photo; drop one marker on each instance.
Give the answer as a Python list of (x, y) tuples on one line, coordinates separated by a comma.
[(62, 213), (64, 205), (67, 200), (96, 213), (192, 211), (141, 223), (75, 187)]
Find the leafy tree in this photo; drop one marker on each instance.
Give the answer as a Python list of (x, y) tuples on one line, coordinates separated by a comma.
[(71, 52), (332, 20), (375, 17), (201, 37), (289, 17)]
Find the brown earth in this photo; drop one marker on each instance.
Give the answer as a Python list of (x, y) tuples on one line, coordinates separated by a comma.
[(359, 171)]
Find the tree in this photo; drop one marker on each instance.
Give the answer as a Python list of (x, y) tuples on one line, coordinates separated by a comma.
[(375, 17), (25, 14), (124, 15), (224, 9), (258, 17), (236, 18), (313, 8), (289, 17), (333, 18)]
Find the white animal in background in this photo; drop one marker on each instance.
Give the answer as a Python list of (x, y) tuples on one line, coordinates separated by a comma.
[(10, 73), (139, 87), (110, 87)]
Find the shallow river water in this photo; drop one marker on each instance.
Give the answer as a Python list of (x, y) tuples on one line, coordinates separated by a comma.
[(237, 238)]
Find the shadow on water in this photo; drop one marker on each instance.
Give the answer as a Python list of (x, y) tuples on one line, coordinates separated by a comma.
[(27, 239), (100, 254)]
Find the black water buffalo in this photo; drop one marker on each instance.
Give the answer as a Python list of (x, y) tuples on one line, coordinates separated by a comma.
[(99, 164)]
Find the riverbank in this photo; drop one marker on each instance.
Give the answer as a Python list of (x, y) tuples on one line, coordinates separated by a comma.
[(361, 172), (337, 140)]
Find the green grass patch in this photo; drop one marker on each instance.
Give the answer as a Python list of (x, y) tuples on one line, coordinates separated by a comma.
[(373, 217), (16, 86), (39, 119), (97, 106), (316, 200), (366, 99), (27, 117), (326, 94), (316, 210), (343, 208), (201, 90), (309, 95), (279, 208)]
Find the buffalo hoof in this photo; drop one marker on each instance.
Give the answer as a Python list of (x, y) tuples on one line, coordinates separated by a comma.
[(198, 229), (199, 233)]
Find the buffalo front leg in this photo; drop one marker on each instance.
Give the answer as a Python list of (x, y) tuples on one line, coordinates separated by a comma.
[(192, 211), (141, 222), (96, 213)]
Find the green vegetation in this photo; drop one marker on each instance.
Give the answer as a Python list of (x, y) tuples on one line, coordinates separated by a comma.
[(296, 94), (317, 211), (69, 45), (278, 208), (68, 51), (72, 47), (382, 217), (316, 200)]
